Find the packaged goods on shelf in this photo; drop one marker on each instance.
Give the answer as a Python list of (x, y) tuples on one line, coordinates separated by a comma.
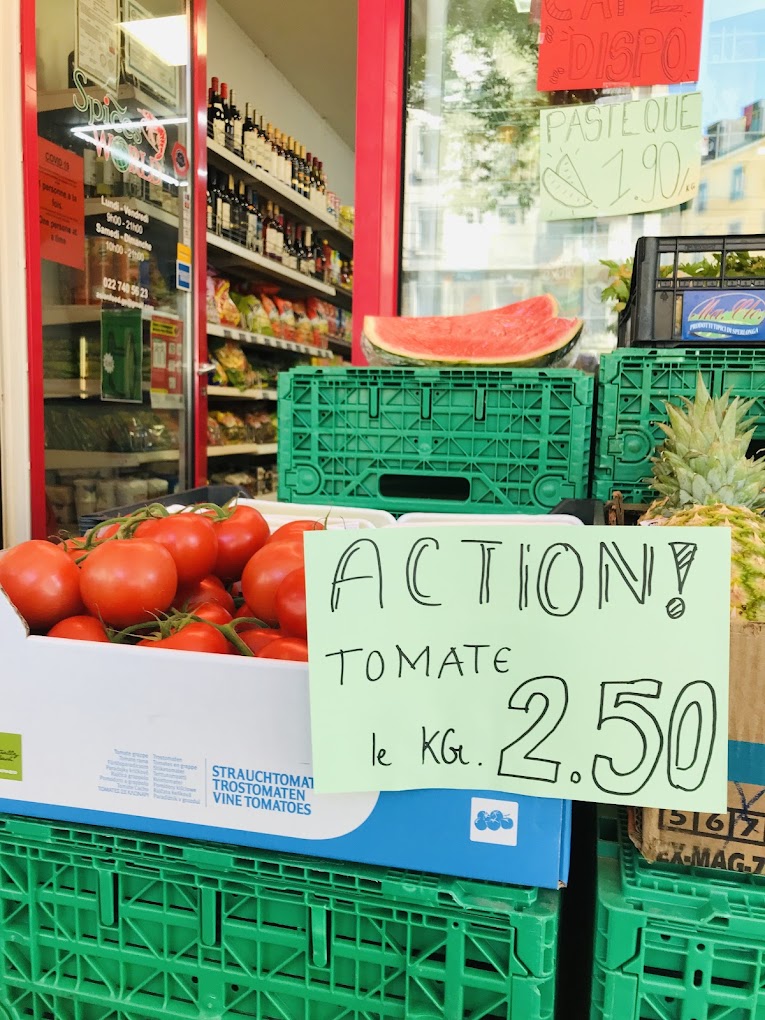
[(232, 367), (254, 427), (221, 308), (99, 427)]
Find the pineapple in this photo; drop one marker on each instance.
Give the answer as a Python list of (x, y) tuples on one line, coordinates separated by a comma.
[(706, 479)]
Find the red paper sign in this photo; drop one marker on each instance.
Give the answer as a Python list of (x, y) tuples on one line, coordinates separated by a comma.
[(592, 44), (62, 205), (166, 387)]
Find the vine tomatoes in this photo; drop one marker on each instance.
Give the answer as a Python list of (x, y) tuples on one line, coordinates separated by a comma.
[(257, 639), (290, 604), (189, 538), (295, 529), (239, 537), (79, 628), (209, 589), (128, 581), (244, 612), (292, 648), (42, 581), (194, 637), (265, 572), (213, 612)]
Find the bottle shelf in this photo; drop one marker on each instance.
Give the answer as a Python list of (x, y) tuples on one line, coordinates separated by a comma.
[(241, 449), (218, 155), (344, 298), (240, 256), (232, 393), (242, 336)]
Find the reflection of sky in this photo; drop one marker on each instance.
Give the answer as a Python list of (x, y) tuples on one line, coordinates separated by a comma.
[(731, 82)]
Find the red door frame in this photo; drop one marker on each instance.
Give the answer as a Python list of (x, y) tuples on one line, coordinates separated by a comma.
[(199, 201), (33, 274), (32, 253), (380, 94)]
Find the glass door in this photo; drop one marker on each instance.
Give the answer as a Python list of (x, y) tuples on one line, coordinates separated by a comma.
[(115, 189), (477, 231)]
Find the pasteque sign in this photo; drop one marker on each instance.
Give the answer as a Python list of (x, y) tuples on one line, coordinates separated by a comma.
[(580, 663)]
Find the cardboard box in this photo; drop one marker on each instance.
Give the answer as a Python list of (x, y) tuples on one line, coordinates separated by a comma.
[(735, 840), (220, 749)]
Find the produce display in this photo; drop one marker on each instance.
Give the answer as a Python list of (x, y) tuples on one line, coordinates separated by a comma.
[(260, 308), (99, 427), (705, 478), (254, 427), (529, 333), (205, 579)]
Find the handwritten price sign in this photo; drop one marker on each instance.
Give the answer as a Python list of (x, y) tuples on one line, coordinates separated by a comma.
[(591, 44), (619, 158), (556, 662)]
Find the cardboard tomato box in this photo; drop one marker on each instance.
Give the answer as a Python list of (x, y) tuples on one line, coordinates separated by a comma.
[(219, 748), (734, 840)]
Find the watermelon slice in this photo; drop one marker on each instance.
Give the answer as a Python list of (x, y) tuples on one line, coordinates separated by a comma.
[(527, 333)]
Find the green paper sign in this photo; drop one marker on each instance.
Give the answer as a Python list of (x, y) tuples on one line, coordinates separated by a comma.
[(582, 663), (122, 355), (615, 159), (10, 756)]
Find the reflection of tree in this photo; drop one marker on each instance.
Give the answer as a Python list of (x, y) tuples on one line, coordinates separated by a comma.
[(487, 102)]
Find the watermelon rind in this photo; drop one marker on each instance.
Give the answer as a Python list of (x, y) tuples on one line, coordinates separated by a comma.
[(381, 348), (561, 357)]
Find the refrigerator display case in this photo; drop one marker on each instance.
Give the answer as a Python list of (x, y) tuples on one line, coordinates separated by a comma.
[(109, 140)]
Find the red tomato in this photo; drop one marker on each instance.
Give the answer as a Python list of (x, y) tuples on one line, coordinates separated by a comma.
[(79, 628), (190, 539), (214, 612), (290, 604), (265, 572), (209, 589), (257, 639), (74, 548), (244, 612), (295, 529), (105, 533), (42, 582), (286, 648), (128, 581), (239, 537), (194, 637)]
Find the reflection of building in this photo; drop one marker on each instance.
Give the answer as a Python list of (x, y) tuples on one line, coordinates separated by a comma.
[(731, 197)]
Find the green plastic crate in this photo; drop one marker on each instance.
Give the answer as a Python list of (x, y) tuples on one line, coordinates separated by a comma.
[(102, 925), (633, 387), (674, 943), (425, 439)]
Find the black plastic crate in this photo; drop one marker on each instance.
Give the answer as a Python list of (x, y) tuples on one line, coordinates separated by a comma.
[(218, 494), (675, 277)]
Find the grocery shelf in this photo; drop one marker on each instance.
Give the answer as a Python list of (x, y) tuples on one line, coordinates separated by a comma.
[(234, 394), (243, 256), (344, 298), (270, 187), (239, 449), (63, 459), (59, 388), (339, 341), (71, 315), (242, 336), (95, 207)]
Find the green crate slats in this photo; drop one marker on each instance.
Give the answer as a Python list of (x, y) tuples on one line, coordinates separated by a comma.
[(674, 943), (101, 925), (633, 387), (435, 440)]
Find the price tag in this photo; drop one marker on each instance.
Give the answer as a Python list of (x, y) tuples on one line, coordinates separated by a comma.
[(582, 663)]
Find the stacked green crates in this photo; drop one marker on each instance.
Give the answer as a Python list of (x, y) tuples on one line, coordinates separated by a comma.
[(452, 440), (674, 943), (633, 387), (104, 925)]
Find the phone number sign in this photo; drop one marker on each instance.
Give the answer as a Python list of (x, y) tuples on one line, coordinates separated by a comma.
[(568, 662)]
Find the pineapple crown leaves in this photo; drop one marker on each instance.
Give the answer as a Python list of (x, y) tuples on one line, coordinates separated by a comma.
[(703, 459)]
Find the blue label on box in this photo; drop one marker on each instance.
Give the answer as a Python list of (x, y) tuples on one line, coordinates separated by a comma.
[(724, 315)]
